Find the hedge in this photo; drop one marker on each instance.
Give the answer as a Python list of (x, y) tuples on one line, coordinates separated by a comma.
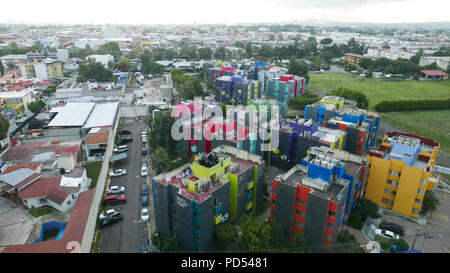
[(412, 105), (301, 102)]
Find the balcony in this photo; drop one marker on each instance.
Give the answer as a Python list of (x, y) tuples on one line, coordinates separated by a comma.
[(217, 219), (250, 195), (218, 207), (249, 186)]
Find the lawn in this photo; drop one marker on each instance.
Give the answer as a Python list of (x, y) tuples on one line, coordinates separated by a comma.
[(429, 124), (92, 171), (40, 211), (382, 89)]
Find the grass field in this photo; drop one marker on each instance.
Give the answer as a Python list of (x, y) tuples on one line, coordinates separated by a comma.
[(381, 89), (92, 171), (38, 212), (429, 124)]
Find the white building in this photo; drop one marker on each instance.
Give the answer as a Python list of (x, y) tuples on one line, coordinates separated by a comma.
[(103, 59), (442, 62)]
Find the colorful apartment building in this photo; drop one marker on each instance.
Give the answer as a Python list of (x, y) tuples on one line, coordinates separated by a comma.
[(229, 88), (193, 200), (338, 113), (285, 88), (401, 172), (310, 199)]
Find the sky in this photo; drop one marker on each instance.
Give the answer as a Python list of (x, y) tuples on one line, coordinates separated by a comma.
[(223, 11)]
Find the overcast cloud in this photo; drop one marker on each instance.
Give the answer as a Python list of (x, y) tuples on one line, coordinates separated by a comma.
[(218, 12)]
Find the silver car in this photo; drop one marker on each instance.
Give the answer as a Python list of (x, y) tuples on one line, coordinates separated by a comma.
[(118, 172), (115, 190)]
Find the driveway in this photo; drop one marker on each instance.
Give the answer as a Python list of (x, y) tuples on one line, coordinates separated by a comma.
[(127, 235), (15, 224)]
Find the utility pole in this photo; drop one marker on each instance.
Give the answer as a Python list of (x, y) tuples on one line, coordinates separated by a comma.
[(417, 234)]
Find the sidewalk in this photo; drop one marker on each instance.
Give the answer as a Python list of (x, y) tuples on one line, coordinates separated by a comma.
[(359, 236)]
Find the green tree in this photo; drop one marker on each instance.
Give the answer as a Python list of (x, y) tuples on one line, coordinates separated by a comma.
[(4, 127), (95, 71), (36, 106), (124, 65), (430, 203), (111, 48), (255, 237), (366, 63), (151, 67), (326, 41), (368, 208), (162, 124), (361, 98), (299, 68), (161, 161), (205, 53), (11, 66)]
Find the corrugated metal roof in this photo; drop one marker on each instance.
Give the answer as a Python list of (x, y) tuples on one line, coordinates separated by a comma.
[(102, 115), (15, 177), (73, 114)]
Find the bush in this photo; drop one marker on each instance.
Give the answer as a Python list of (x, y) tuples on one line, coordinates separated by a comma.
[(412, 105), (385, 243), (359, 97), (355, 220), (301, 102)]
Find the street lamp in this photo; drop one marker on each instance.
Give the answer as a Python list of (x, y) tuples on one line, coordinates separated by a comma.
[(417, 234)]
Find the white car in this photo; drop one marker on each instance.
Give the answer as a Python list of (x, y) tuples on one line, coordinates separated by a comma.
[(386, 233), (108, 213), (115, 190), (144, 140), (144, 171), (144, 134), (144, 215), (118, 172), (121, 149)]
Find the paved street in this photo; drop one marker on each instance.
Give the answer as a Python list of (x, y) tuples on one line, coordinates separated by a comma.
[(127, 235)]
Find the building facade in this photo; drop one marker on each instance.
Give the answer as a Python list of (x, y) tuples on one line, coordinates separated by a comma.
[(401, 172)]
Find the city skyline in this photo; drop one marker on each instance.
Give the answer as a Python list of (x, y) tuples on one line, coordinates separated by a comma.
[(174, 12)]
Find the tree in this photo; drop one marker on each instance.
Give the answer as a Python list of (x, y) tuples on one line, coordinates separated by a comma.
[(430, 203), (124, 65), (11, 66), (255, 237), (165, 243), (205, 53), (162, 124), (36, 106), (111, 48), (2, 70), (368, 208), (366, 63), (95, 71), (151, 67), (4, 127), (326, 41), (161, 161), (361, 98), (299, 68)]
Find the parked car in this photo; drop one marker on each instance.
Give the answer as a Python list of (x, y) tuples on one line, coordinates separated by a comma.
[(386, 233), (118, 172), (111, 220), (115, 190), (395, 228), (144, 163), (144, 151), (144, 171), (114, 199), (108, 213), (144, 134), (145, 245), (121, 149), (144, 190), (144, 140), (144, 215), (145, 200), (124, 132), (125, 140)]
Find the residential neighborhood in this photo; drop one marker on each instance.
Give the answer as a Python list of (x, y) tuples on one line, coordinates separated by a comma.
[(307, 136)]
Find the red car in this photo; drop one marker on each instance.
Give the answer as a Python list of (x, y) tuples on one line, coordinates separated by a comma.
[(114, 199), (124, 132)]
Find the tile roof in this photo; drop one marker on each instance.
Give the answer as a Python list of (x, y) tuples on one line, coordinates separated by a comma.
[(32, 166), (434, 72)]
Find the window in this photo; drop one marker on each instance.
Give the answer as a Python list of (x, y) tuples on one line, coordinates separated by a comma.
[(304, 203), (68, 202), (389, 182), (395, 184), (387, 201), (331, 213), (418, 201), (329, 237), (299, 224), (423, 181), (414, 210), (420, 191), (197, 226), (197, 238), (330, 226), (298, 212)]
